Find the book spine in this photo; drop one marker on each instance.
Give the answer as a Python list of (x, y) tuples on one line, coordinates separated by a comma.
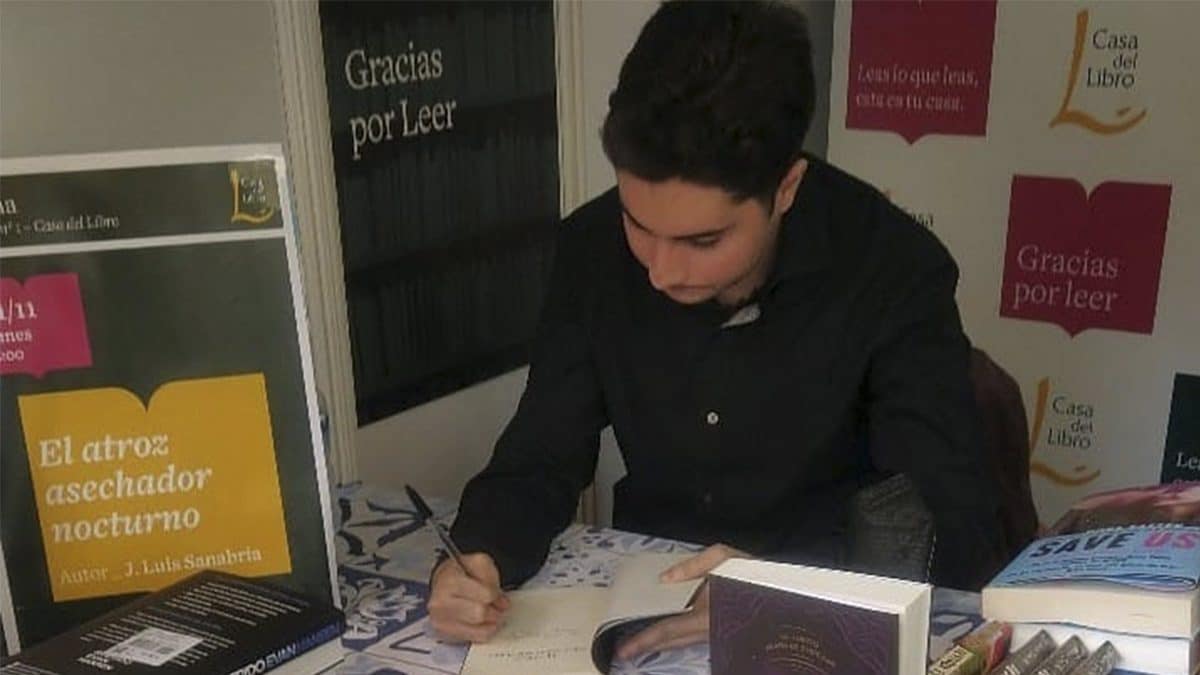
[(1101, 662), (1024, 659), (280, 655), (990, 641), (1062, 660), (958, 661)]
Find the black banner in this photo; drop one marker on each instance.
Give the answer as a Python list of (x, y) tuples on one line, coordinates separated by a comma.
[(446, 157)]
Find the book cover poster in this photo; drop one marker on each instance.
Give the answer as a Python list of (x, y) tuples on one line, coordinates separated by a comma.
[(756, 630), (157, 411)]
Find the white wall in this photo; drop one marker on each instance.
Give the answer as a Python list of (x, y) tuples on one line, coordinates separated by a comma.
[(92, 76), (437, 446)]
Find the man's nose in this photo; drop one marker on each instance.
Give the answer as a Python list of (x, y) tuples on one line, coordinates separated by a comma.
[(667, 265)]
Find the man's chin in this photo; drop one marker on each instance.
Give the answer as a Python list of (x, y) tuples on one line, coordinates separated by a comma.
[(689, 296)]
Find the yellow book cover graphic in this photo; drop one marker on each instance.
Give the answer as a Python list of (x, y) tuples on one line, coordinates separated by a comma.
[(131, 497)]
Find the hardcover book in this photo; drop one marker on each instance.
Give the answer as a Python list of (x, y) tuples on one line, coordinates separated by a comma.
[(209, 623), (773, 618)]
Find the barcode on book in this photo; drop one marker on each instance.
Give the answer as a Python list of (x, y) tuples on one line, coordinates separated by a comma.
[(152, 646)]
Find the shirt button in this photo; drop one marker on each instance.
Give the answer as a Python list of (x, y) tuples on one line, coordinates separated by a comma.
[(712, 418)]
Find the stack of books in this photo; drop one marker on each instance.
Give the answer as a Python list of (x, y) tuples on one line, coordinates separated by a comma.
[(1135, 587), (211, 623)]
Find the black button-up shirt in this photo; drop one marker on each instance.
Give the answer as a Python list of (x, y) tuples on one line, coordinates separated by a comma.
[(750, 426)]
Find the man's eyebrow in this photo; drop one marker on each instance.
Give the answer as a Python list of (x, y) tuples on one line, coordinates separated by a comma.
[(690, 237), (636, 223)]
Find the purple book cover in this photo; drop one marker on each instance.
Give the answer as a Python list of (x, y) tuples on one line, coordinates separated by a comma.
[(756, 630)]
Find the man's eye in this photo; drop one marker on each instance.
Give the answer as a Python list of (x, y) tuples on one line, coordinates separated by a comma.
[(704, 242)]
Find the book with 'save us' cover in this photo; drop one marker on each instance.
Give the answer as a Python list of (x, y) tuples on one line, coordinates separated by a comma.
[(211, 623), (1140, 579), (774, 619)]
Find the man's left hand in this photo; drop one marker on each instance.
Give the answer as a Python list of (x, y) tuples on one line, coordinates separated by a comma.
[(688, 628)]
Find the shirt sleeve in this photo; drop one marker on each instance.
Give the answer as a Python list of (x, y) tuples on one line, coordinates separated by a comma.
[(924, 422), (546, 456)]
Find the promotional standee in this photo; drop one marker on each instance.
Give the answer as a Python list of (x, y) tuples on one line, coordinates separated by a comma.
[(1051, 147), (157, 409)]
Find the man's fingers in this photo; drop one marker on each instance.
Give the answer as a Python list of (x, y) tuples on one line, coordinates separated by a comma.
[(700, 598), (684, 629), (464, 611), (454, 631), (683, 641), (463, 586), (482, 567), (481, 585), (463, 607), (700, 564)]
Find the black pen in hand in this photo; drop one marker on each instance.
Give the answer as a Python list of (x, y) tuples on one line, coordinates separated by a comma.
[(426, 516)]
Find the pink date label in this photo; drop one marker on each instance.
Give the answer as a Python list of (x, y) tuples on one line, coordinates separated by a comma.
[(42, 325)]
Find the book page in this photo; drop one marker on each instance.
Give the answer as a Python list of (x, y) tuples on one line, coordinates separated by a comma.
[(637, 593), (547, 631)]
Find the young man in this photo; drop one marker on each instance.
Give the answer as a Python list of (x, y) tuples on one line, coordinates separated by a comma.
[(763, 332)]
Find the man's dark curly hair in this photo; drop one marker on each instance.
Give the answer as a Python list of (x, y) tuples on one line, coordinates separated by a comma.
[(715, 93)]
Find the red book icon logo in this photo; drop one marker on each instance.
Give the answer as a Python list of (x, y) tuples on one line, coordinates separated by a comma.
[(920, 66), (1083, 261), (42, 325)]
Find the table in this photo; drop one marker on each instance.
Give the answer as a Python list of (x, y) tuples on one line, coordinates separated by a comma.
[(384, 559)]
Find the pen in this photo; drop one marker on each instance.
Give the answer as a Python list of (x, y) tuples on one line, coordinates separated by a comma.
[(426, 515)]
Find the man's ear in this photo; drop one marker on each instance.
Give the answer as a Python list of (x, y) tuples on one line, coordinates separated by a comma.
[(789, 186)]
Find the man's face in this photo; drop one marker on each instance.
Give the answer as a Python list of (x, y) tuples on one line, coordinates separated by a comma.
[(698, 242)]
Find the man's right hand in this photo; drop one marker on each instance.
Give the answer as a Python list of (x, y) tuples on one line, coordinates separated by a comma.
[(467, 608)]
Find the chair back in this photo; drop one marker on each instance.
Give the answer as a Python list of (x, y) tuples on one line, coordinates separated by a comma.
[(891, 529), (1006, 446)]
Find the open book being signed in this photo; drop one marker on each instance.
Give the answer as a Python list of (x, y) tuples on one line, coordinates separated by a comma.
[(564, 631)]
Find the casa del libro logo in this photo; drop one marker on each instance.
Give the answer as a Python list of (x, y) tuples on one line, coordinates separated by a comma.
[(1064, 437), (255, 197), (1101, 92)]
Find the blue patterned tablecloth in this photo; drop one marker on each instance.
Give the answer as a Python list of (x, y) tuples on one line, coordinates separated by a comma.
[(384, 559)]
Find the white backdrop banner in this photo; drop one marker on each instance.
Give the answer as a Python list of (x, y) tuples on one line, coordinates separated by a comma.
[(1055, 148)]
